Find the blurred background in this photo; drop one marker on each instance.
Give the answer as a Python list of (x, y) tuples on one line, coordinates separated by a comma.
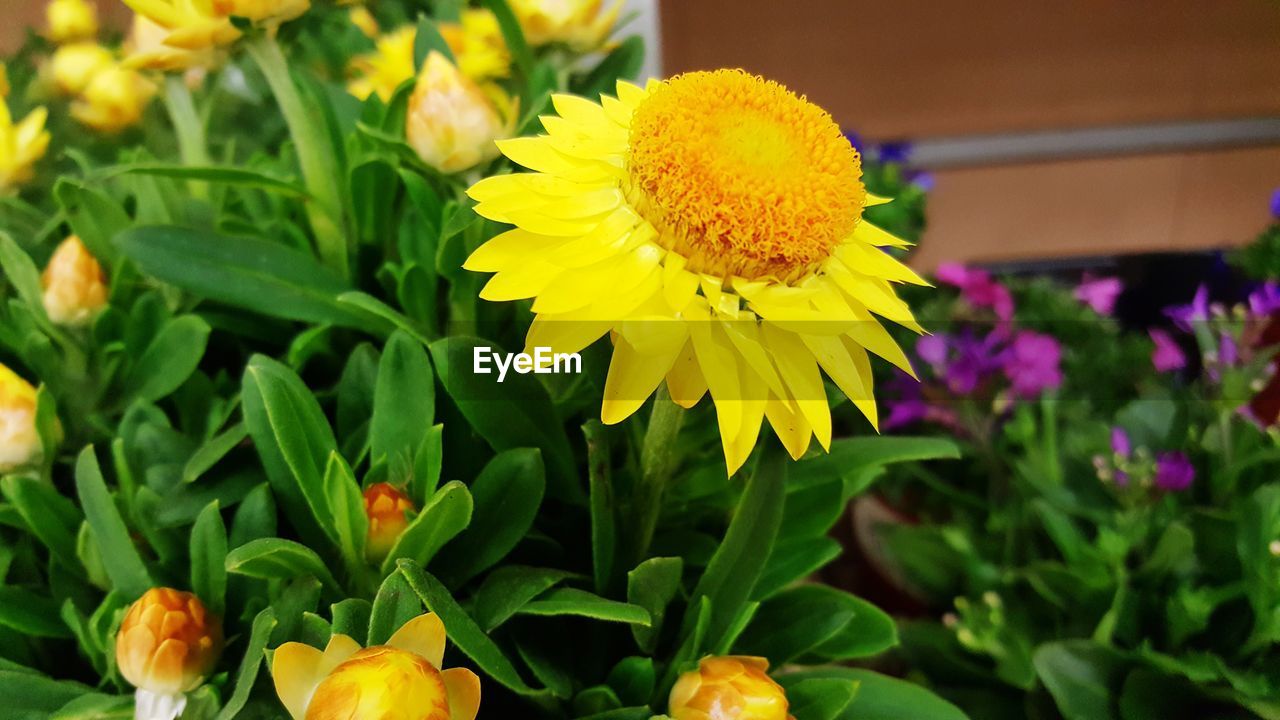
[(1048, 131)]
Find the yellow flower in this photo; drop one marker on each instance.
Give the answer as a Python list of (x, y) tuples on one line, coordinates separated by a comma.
[(71, 20), (581, 24), (713, 225), (75, 289), (21, 145), (401, 680), (147, 48), (189, 24), (168, 643), (114, 100), (384, 69), (263, 12), (19, 442), (72, 66), (452, 122), (386, 508), (363, 19), (478, 46), (728, 688)]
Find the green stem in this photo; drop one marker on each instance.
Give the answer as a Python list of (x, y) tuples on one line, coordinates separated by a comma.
[(657, 461), (186, 122), (320, 171)]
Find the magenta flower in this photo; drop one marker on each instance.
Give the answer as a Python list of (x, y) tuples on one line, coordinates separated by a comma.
[(1174, 472), (1033, 364), (1275, 204), (978, 289), (1168, 355), (1099, 293), (1120, 444), (1265, 300), (1184, 316)]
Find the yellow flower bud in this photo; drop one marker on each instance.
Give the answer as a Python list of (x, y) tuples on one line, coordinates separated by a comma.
[(168, 643), (189, 25), (19, 442), (400, 680), (363, 19), (147, 48), (478, 46), (72, 66), (452, 123), (114, 100), (71, 20), (383, 70), (728, 688), (21, 144), (263, 12), (581, 24), (387, 509), (75, 288)]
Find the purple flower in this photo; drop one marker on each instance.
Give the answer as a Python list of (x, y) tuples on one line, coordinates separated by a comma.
[(1099, 293), (1228, 351), (933, 350), (1275, 203), (923, 180), (895, 152), (1120, 444), (978, 288), (1174, 472), (973, 360), (1033, 364), (1265, 300), (1168, 355), (854, 139), (1185, 315)]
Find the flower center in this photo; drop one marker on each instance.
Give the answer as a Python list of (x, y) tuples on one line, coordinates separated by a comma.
[(741, 176), (380, 683)]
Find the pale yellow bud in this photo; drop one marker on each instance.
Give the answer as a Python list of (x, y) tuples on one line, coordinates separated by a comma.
[(71, 20), (728, 688), (72, 66), (581, 24), (75, 288), (168, 643), (147, 47), (114, 100), (452, 124), (19, 442)]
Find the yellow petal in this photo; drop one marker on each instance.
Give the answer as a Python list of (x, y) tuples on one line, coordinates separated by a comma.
[(295, 670), (872, 235), (718, 367), (537, 154), (463, 688), (804, 383), (424, 636), (633, 376), (511, 248), (518, 283), (340, 648), (564, 334), (838, 360), (754, 395), (873, 200), (685, 382), (790, 427), (870, 260)]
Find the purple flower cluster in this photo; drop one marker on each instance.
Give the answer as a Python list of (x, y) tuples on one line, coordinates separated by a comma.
[(1171, 472), (978, 288)]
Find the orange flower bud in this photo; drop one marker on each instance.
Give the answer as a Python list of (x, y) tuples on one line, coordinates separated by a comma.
[(387, 508), (19, 442), (728, 688), (75, 288), (167, 645)]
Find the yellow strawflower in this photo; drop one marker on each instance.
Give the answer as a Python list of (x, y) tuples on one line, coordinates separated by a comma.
[(401, 680), (269, 13), (387, 509), (114, 100), (188, 24), (147, 48), (581, 24), (19, 442), (383, 70), (712, 224), (452, 122), (728, 688), (71, 20), (168, 643), (477, 44), (21, 145), (75, 288), (73, 65)]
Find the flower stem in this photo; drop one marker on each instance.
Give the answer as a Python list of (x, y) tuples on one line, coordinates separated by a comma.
[(188, 128), (320, 171), (657, 461)]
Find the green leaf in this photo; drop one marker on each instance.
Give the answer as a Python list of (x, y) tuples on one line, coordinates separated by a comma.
[(372, 307), (794, 622), (255, 517), (622, 63), (208, 454), (254, 653), (444, 516), (464, 632), (508, 588), (221, 174), (209, 559), (52, 518), (794, 560), (736, 565), (603, 526), (169, 359), (652, 586), (31, 614), (21, 272), (276, 558), (93, 216), (820, 698), (258, 275), (351, 617), (32, 696), (850, 456), (507, 494), (633, 679), (879, 697), (572, 601), (96, 707), (395, 604), (351, 524), (512, 34), (516, 413), (403, 406), (428, 38), (119, 556), (1084, 678), (870, 632)]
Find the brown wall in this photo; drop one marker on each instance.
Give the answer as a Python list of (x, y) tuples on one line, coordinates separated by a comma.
[(914, 70)]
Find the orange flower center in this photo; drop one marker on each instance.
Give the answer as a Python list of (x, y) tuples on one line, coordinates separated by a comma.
[(381, 683), (741, 176)]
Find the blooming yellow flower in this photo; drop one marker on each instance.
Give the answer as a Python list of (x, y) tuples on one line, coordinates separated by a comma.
[(147, 48), (581, 24), (190, 24), (21, 145), (728, 688), (75, 288), (477, 44), (713, 225), (71, 20), (452, 122), (401, 680), (168, 643), (72, 66), (386, 508), (383, 70), (19, 442), (263, 12), (114, 100)]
